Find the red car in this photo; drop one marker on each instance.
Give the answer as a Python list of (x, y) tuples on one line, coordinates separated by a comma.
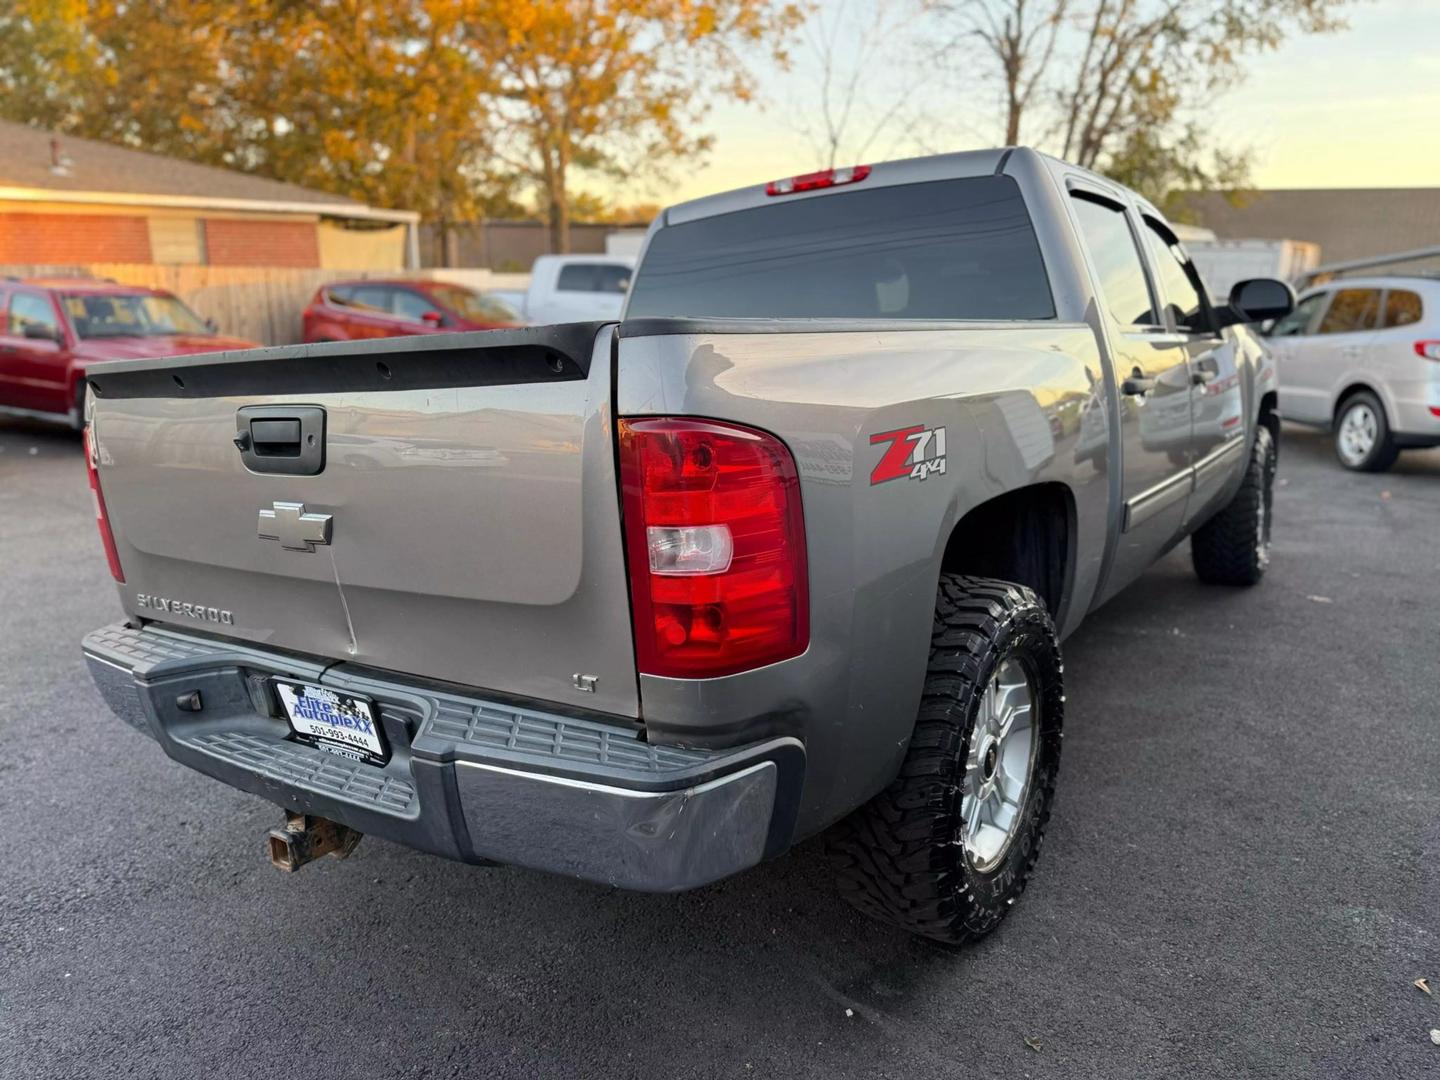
[(350, 310), (52, 331)]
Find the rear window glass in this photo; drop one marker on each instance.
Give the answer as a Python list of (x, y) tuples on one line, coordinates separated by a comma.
[(951, 249), (594, 277), (1402, 307)]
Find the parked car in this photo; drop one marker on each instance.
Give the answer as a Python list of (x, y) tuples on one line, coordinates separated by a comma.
[(573, 288), (53, 331), (1361, 356), (793, 543), (353, 310)]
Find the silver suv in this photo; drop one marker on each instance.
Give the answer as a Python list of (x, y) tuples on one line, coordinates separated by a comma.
[(1362, 357)]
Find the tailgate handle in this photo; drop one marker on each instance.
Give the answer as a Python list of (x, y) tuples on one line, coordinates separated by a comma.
[(284, 439)]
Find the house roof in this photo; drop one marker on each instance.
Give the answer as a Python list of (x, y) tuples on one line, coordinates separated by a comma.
[(1347, 223), (96, 167)]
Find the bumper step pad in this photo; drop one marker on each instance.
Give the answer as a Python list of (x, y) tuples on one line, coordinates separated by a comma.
[(468, 777)]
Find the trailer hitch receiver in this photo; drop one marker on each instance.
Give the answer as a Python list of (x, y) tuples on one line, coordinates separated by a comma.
[(304, 838)]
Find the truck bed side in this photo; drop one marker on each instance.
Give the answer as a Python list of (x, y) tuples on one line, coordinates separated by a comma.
[(1029, 414)]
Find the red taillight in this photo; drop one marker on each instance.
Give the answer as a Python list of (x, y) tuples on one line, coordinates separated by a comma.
[(716, 546), (811, 181), (102, 518), (1430, 350)]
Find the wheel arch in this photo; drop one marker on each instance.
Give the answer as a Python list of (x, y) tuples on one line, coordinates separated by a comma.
[(1355, 386), (1025, 535), (1269, 413)]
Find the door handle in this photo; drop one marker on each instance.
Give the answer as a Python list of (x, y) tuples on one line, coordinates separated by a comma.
[(1137, 385), (284, 439)]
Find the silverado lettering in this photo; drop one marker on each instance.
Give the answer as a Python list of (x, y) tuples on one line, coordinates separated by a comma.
[(189, 610)]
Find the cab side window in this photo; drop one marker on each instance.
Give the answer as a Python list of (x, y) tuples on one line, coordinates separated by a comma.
[(1352, 311), (1117, 261), (1297, 323), (1179, 281), (29, 309), (1402, 307)]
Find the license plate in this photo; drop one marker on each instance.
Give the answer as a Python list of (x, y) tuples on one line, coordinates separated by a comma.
[(340, 723)]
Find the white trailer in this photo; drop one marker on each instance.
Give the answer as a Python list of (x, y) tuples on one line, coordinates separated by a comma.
[(1224, 262)]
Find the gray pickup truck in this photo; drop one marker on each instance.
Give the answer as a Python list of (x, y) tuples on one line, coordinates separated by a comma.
[(790, 546)]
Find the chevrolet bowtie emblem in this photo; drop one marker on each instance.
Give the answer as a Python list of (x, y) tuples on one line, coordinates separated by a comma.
[(293, 527)]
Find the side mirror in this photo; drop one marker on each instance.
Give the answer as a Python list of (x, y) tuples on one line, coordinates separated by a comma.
[(41, 332), (1257, 300), (434, 318)]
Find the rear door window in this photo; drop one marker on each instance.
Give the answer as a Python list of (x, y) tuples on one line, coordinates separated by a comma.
[(411, 306), (1402, 307), (371, 299), (949, 249), (1352, 311), (1117, 261)]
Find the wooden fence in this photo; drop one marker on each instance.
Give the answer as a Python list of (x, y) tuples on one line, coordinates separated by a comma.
[(259, 303)]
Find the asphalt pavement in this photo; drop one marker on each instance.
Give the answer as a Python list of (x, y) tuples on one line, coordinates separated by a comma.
[(1242, 877)]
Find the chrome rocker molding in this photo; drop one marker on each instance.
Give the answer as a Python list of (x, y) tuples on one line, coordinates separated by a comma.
[(1171, 490), (469, 778)]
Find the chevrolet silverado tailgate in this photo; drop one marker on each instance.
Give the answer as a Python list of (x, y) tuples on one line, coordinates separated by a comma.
[(462, 524)]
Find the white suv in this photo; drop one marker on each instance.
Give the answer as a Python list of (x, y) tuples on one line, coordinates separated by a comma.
[(1362, 357)]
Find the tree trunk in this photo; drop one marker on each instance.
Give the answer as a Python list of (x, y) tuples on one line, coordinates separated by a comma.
[(559, 218), (557, 212), (1012, 123)]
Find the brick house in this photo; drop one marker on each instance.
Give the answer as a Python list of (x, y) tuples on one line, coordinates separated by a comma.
[(67, 201)]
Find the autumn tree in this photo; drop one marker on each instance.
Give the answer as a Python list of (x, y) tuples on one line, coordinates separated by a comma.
[(384, 102), (866, 70), (614, 87), (1121, 85)]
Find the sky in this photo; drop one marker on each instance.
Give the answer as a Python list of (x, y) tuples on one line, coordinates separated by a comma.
[(1358, 108)]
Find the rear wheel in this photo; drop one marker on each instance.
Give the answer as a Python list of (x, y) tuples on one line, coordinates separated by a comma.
[(1233, 547), (1362, 434), (948, 847)]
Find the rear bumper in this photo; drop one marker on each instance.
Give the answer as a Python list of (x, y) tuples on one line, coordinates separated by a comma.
[(469, 778)]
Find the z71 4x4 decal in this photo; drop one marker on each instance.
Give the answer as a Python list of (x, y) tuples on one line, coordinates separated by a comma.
[(913, 453)]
